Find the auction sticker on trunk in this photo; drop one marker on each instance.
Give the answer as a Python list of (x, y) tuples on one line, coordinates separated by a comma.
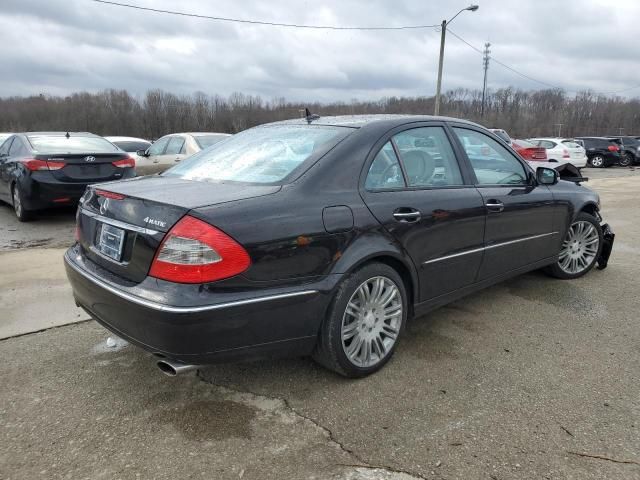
[(110, 241)]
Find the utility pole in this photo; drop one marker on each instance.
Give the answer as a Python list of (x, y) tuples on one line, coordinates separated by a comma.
[(620, 131), (559, 125), (443, 34), (485, 65)]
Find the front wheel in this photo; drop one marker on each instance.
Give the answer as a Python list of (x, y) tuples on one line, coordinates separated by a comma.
[(364, 322), (580, 249), (597, 161)]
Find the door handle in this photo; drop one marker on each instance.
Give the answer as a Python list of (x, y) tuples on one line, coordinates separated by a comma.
[(494, 206), (407, 215)]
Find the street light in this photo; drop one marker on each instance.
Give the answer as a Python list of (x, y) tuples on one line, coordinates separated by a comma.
[(445, 24)]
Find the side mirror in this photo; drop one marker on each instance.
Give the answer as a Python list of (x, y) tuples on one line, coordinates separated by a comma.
[(547, 176), (142, 153)]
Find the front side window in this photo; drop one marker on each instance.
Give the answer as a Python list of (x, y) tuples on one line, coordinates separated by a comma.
[(428, 157), (385, 171), (158, 147), (264, 155), (492, 163)]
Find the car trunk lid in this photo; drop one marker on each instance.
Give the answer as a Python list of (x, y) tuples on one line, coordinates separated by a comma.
[(121, 224), (86, 167)]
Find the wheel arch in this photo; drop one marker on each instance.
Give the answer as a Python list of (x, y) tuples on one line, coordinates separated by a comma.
[(591, 208)]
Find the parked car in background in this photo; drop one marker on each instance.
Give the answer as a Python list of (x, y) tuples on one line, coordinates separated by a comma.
[(46, 169), (562, 150), (630, 150), (165, 152), (529, 151), (601, 151), (322, 236), (502, 134), (132, 146)]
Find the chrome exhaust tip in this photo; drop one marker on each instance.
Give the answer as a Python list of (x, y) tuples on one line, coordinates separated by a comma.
[(173, 368)]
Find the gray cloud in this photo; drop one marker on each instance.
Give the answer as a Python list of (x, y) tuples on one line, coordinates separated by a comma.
[(63, 46)]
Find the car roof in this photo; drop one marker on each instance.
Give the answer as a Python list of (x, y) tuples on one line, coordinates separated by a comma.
[(62, 134), (359, 121), (201, 134)]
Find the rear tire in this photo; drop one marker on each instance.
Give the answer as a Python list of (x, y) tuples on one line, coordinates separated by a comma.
[(22, 214), (580, 249), (356, 338), (597, 161)]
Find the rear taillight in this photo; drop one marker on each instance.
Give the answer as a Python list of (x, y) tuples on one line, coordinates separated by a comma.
[(613, 148), (125, 163), (565, 154), (195, 252), (35, 165), (111, 195)]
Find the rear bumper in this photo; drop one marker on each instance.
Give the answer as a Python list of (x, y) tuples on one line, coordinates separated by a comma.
[(281, 321), (43, 190)]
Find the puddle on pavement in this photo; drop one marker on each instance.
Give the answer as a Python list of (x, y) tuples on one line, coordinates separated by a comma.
[(203, 420)]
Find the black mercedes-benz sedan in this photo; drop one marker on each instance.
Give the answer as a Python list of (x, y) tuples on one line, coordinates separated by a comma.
[(48, 169), (321, 236)]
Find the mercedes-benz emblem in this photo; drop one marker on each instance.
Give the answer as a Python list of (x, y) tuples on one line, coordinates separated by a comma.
[(89, 159)]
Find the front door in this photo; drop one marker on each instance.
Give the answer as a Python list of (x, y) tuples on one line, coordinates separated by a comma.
[(152, 159), (519, 226), (417, 191)]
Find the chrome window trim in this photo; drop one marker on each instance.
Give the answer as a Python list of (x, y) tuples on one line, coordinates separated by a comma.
[(171, 309), (488, 247), (118, 223)]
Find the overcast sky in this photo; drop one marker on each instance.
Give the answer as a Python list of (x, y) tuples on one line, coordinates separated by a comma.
[(62, 46)]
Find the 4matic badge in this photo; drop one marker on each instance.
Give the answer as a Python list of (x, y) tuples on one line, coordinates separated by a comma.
[(153, 221)]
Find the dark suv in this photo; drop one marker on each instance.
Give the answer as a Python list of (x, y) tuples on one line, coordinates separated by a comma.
[(630, 150), (601, 151)]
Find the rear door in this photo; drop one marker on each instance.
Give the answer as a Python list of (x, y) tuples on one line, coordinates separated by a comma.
[(5, 194), (175, 152), (416, 189), (519, 213)]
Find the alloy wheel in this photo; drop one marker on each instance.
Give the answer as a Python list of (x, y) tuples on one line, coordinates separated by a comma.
[(17, 204), (597, 161), (579, 248), (371, 321)]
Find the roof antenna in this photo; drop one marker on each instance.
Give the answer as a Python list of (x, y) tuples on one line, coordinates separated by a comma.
[(67, 135), (310, 117)]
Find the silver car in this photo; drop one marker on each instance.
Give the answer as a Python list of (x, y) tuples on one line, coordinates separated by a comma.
[(171, 149)]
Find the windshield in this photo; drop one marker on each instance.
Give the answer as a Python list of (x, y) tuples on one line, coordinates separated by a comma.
[(205, 141), (73, 144), (260, 155), (132, 145)]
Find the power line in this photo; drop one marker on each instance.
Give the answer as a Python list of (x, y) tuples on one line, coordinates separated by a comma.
[(260, 22), (517, 72)]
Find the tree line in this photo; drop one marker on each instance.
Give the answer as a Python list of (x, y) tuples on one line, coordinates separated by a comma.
[(117, 112)]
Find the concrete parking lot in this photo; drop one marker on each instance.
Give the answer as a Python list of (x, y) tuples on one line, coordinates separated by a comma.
[(534, 378)]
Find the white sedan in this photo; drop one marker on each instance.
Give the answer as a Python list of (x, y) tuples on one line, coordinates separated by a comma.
[(131, 145), (562, 150)]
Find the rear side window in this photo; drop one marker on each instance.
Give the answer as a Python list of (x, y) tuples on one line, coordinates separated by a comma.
[(492, 163), (428, 157), (263, 155), (60, 144), (546, 144), (17, 148), (175, 146), (385, 171), (4, 148)]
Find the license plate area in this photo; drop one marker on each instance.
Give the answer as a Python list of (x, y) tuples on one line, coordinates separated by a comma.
[(110, 241)]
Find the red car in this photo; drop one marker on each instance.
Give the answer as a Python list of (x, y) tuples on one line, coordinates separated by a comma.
[(529, 151)]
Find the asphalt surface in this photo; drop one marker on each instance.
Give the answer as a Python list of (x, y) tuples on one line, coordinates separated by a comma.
[(534, 378)]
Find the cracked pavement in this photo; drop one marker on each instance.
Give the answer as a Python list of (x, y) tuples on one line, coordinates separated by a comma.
[(533, 378)]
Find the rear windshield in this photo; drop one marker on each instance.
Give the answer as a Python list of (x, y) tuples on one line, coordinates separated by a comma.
[(205, 141), (503, 135), (523, 144), (571, 144), (264, 155), (73, 144), (131, 145)]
